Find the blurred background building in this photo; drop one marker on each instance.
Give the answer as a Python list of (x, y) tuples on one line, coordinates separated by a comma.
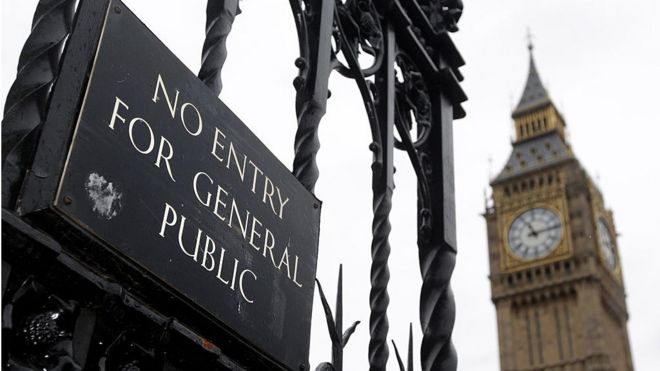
[(555, 270)]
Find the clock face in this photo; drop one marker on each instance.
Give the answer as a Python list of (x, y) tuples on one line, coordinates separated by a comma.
[(535, 233), (606, 244)]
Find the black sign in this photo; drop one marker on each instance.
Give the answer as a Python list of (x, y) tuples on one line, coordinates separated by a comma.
[(163, 172)]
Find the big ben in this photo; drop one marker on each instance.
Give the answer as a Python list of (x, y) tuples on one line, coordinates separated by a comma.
[(555, 269)]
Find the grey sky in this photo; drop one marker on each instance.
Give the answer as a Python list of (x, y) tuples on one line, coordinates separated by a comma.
[(599, 59)]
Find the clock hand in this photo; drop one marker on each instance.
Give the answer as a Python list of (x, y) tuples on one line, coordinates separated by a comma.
[(548, 228), (533, 232)]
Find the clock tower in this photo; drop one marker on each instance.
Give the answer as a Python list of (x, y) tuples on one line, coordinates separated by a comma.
[(555, 270)]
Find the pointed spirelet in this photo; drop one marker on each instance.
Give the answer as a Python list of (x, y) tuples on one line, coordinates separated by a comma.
[(534, 95)]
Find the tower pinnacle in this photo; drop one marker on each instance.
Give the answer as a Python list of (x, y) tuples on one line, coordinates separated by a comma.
[(534, 95), (536, 115)]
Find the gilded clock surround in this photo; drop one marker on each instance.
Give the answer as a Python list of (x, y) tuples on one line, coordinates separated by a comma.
[(511, 262), (601, 212), (535, 233), (616, 272)]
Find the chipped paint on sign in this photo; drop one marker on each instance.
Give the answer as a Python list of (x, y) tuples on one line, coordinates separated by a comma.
[(104, 195)]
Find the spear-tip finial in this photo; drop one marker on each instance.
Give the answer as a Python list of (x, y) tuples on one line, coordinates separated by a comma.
[(530, 41)]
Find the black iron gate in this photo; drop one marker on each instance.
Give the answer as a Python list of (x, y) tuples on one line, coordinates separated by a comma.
[(64, 310)]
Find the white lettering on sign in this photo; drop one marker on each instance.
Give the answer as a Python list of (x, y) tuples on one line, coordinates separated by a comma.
[(212, 259), (172, 106), (228, 154), (228, 211), (164, 145), (215, 191)]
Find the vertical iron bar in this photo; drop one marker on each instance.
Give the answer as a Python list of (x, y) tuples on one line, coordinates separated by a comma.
[(383, 186), (26, 105), (312, 86), (220, 15), (437, 254)]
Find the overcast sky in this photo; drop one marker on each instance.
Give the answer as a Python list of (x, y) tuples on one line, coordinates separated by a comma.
[(600, 61)]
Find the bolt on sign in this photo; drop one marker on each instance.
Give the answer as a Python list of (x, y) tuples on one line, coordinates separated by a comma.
[(160, 170)]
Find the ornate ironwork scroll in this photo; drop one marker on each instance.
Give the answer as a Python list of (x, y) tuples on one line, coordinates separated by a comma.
[(220, 15), (425, 98), (413, 108), (25, 108)]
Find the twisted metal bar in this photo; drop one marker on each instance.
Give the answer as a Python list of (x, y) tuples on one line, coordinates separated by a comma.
[(314, 24), (220, 15), (383, 186), (437, 309), (437, 247), (26, 105), (379, 299), (307, 144)]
